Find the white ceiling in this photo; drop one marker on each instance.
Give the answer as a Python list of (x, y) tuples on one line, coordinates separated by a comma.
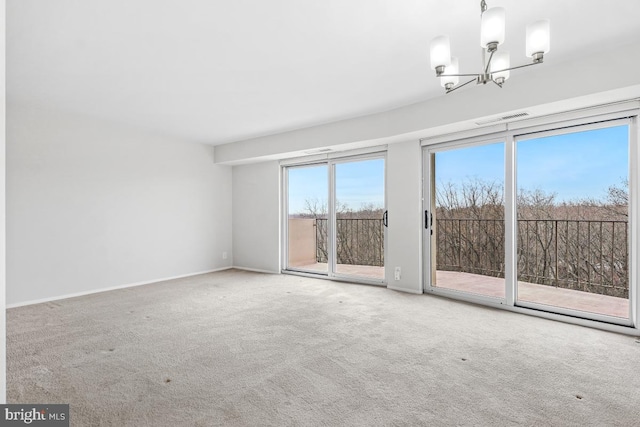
[(221, 71)]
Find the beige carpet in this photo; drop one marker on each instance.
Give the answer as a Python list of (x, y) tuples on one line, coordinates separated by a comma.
[(246, 349)]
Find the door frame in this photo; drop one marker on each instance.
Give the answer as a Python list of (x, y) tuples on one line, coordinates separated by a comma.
[(575, 123), (285, 220), (330, 161), (428, 201), (612, 122)]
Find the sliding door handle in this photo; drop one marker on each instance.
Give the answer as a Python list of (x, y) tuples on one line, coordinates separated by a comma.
[(385, 218), (428, 221)]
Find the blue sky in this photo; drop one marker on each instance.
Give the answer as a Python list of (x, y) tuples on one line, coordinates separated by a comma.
[(307, 183), (576, 165), (357, 184), (573, 166), (485, 162)]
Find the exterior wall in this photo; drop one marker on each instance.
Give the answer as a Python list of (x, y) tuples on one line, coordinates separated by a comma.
[(302, 241)]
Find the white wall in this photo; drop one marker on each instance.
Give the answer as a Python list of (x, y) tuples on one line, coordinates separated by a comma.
[(91, 205), (404, 235), (3, 324), (256, 216)]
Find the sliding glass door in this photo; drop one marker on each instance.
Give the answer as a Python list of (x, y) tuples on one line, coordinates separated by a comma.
[(465, 219), (307, 218), (572, 221), (336, 218), (359, 218), (541, 220)]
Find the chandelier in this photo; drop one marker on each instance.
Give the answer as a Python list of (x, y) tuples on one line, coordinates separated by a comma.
[(495, 65)]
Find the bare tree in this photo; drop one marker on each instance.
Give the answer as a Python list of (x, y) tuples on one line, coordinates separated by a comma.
[(579, 244), (576, 244), (470, 227), (359, 232)]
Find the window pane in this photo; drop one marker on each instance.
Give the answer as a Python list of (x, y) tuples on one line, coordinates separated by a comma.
[(468, 220), (359, 211), (572, 210), (308, 189)]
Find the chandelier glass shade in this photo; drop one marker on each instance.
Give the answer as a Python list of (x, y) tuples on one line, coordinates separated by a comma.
[(496, 66), (492, 28)]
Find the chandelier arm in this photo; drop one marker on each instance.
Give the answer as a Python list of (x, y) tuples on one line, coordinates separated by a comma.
[(459, 86), (486, 68), (515, 68), (460, 75)]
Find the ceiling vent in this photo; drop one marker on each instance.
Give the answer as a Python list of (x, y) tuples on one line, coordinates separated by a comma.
[(502, 119)]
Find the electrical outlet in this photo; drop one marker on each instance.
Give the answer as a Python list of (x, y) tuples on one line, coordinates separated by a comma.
[(224, 255), (397, 273)]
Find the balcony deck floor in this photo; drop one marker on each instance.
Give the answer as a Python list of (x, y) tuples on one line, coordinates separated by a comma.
[(494, 287), (534, 293)]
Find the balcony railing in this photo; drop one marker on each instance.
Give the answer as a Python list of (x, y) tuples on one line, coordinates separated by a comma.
[(359, 241), (470, 246), (585, 255)]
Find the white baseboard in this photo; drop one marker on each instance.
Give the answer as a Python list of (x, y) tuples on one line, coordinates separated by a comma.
[(255, 270), (411, 291), (112, 288)]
